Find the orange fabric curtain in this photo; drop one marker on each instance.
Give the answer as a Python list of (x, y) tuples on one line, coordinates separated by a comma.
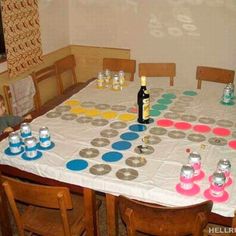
[(22, 35)]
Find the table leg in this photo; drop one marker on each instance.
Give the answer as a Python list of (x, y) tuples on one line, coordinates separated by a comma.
[(90, 212), (4, 215), (112, 218)]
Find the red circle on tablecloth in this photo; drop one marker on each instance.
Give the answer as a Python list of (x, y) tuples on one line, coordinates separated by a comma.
[(223, 198), (190, 192), (183, 125), (202, 128), (165, 122), (200, 176), (134, 109), (232, 144), (221, 131)]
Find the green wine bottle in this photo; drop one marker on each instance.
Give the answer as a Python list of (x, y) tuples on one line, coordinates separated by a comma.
[(143, 100)]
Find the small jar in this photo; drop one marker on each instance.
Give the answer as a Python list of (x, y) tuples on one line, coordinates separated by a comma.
[(14, 142), (224, 166), (217, 184), (25, 130), (44, 137), (226, 95), (115, 82), (107, 75), (100, 80), (194, 159), (186, 177), (31, 147), (122, 77), (231, 86)]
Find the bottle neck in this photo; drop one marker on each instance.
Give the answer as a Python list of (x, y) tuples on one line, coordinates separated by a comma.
[(143, 81)]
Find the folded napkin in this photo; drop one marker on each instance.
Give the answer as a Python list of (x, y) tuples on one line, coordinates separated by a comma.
[(22, 92)]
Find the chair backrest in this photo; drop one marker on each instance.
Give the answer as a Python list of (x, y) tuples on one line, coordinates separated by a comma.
[(165, 221), (213, 74), (158, 70), (66, 64), (8, 96), (48, 73), (37, 195), (117, 64)]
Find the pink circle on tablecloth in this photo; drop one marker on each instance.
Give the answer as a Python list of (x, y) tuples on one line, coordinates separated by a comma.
[(193, 191), (221, 131), (201, 128), (200, 176), (229, 182), (165, 122), (232, 144), (183, 125), (223, 198)]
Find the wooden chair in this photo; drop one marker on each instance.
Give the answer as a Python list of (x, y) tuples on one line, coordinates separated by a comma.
[(43, 76), (51, 211), (158, 70), (8, 96), (213, 74), (117, 64), (66, 64), (166, 221)]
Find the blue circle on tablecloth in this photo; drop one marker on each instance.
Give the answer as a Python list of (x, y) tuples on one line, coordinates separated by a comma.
[(159, 107), (190, 93), (121, 145), (24, 157), (169, 96), (138, 128), (112, 156), (164, 101), (47, 148), (8, 152), (129, 136), (77, 164)]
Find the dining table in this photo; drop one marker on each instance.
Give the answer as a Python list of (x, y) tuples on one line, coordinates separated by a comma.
[(97, 145)]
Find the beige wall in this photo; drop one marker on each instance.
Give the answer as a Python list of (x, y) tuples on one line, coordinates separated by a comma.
[(54, 24), (188, 32), (89, 59)]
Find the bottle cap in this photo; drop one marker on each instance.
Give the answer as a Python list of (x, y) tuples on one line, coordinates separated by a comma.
[(143, 80)]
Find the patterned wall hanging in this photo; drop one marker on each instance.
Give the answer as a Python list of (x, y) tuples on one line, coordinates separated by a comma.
[(22, 35)]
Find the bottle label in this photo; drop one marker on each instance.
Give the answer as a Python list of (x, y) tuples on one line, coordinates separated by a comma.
[(146, 108)]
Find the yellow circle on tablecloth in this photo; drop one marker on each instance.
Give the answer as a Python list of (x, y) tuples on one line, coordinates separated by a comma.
[(109, 115), (127, 117), (92, 112), (72, 103), (77, 110)]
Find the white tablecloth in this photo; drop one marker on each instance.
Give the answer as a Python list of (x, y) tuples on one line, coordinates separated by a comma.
[(157, 179)]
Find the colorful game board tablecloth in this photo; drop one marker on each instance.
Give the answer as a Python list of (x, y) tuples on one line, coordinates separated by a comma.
[(99, 144)]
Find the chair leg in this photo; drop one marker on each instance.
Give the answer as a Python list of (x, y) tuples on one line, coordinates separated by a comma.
[(97, 219), (199, 84)]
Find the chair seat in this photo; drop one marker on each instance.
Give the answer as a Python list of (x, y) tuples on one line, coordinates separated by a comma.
[(50, 219)]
